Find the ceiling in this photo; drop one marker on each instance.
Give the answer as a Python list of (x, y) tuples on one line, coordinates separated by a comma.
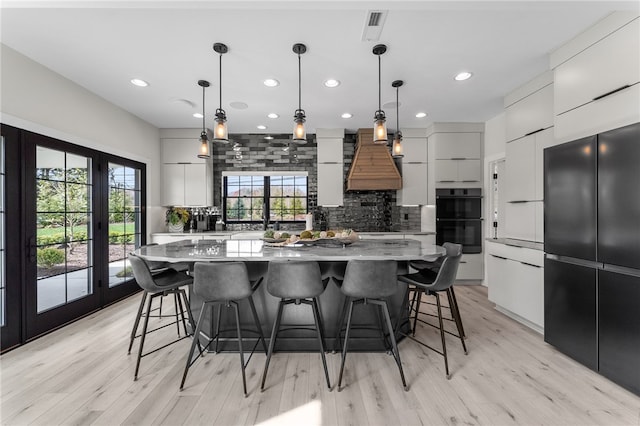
[(102, 45)]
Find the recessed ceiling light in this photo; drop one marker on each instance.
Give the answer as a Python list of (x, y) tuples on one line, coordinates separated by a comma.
[(332, 82), (421, 115), (268, 138), (238, 105), (197, 115), (139, 82), (261, 127), (272, 115), (271, 82), (464, 75), (346, 115)]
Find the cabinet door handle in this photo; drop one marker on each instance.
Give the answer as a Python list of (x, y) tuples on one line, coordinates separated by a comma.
[(534, 132), (183, 162), (499, 257), (611, 92), (446, 181), (458, 158), (518, 201), (474, 180), (531, 264)]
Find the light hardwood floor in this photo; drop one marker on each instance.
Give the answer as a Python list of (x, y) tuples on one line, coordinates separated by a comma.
[(82, 375)]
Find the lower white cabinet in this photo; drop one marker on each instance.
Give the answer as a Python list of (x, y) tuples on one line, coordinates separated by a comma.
[(471, 267), (515, 277)]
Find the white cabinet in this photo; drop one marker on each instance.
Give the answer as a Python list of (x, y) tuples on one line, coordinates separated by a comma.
[(522, 221), (330, 167), (530, 114), (186, 179), (471, 267), (596, 89), (515, 277), (457, 146), (520, 169), (414, 172), (468, 172), (187, 185), (330, 184)]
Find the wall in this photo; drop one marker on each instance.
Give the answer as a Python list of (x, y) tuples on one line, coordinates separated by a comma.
[(362, 210), (37, 99)]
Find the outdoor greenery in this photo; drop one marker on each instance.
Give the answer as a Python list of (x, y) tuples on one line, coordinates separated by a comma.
[(47, 257)]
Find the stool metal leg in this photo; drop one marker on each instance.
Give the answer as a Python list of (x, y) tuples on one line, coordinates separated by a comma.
[(419, 292), (178, 311), (455, 303), (346, 342), (217, 330), (396, 352), (456, 318), (136, 323), (196, 341), (272, 342), (257, 323), (244, 378), (319, 326), (444, 344), (144, 334), (341, 318)]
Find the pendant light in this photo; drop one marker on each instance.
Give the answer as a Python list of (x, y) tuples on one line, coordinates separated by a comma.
[(204, 140), (379, 126), (299, 132), (220, 133), (396, 148)]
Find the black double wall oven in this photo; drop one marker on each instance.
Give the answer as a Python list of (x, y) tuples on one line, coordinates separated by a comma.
[(459, 218)]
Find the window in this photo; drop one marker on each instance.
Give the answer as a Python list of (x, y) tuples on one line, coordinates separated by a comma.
[(282, 197)]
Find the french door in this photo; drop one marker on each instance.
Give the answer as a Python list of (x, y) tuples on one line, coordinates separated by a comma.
[(76, 215)]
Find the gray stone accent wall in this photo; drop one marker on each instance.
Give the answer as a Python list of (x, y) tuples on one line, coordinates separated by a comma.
[(364, 211)]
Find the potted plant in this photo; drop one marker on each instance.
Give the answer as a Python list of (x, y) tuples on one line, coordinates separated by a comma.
[(176, 218)]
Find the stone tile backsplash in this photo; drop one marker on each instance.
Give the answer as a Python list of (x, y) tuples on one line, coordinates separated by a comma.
[(372, 211)]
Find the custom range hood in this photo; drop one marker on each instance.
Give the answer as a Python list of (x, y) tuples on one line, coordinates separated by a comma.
[(373, 168)]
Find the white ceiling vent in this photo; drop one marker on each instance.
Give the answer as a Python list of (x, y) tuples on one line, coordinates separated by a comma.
[(373, 25)]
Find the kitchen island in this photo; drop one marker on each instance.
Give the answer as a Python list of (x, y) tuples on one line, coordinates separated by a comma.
[(332, 257)]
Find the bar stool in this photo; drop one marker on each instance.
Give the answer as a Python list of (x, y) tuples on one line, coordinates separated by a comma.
[(430, 269), (156, 267), (159, 284), (296, 282), (370, 282), (223, 284), (432, 287)]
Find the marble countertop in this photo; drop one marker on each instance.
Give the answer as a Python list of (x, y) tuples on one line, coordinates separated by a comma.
[(256, 250), (517, 243), (229, 233)]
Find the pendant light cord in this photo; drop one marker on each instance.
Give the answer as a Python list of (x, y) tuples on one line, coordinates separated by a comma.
[(299, 84), (379, 84), (203, 130), (220, 82), (397, 112)]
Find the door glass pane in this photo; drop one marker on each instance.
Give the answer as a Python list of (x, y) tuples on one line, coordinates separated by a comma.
[(2, 237), (124, 220), (64, 217)]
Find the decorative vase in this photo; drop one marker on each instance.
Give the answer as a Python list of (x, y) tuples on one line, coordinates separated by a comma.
[(178, 227)]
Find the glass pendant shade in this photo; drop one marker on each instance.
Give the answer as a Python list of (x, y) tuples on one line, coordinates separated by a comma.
[(299, 132), (204, 146), (396, 149), (380, 128), (220, 133)]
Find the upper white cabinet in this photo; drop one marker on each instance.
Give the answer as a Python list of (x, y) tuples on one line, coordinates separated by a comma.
[(457, 146), (455, 152), (186, 179), (330, 166), (525, 166), (530, 114), (597, 78), (414, 169)]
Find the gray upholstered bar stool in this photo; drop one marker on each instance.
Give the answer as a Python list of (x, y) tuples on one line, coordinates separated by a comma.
[(156, 267), (430, 269), (159, 284), (432, 287), (370, 282), (295, 281), (223, 284)]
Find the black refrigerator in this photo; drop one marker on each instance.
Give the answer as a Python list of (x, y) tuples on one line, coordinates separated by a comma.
[(592, 246)]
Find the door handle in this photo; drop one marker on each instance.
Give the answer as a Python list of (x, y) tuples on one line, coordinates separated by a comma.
[(32, 249)]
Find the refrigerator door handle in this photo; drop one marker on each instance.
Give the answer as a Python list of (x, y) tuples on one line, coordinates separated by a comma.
[(622, 270), (575, 261)]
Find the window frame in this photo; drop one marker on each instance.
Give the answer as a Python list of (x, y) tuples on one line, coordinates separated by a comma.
[(266, 195)]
